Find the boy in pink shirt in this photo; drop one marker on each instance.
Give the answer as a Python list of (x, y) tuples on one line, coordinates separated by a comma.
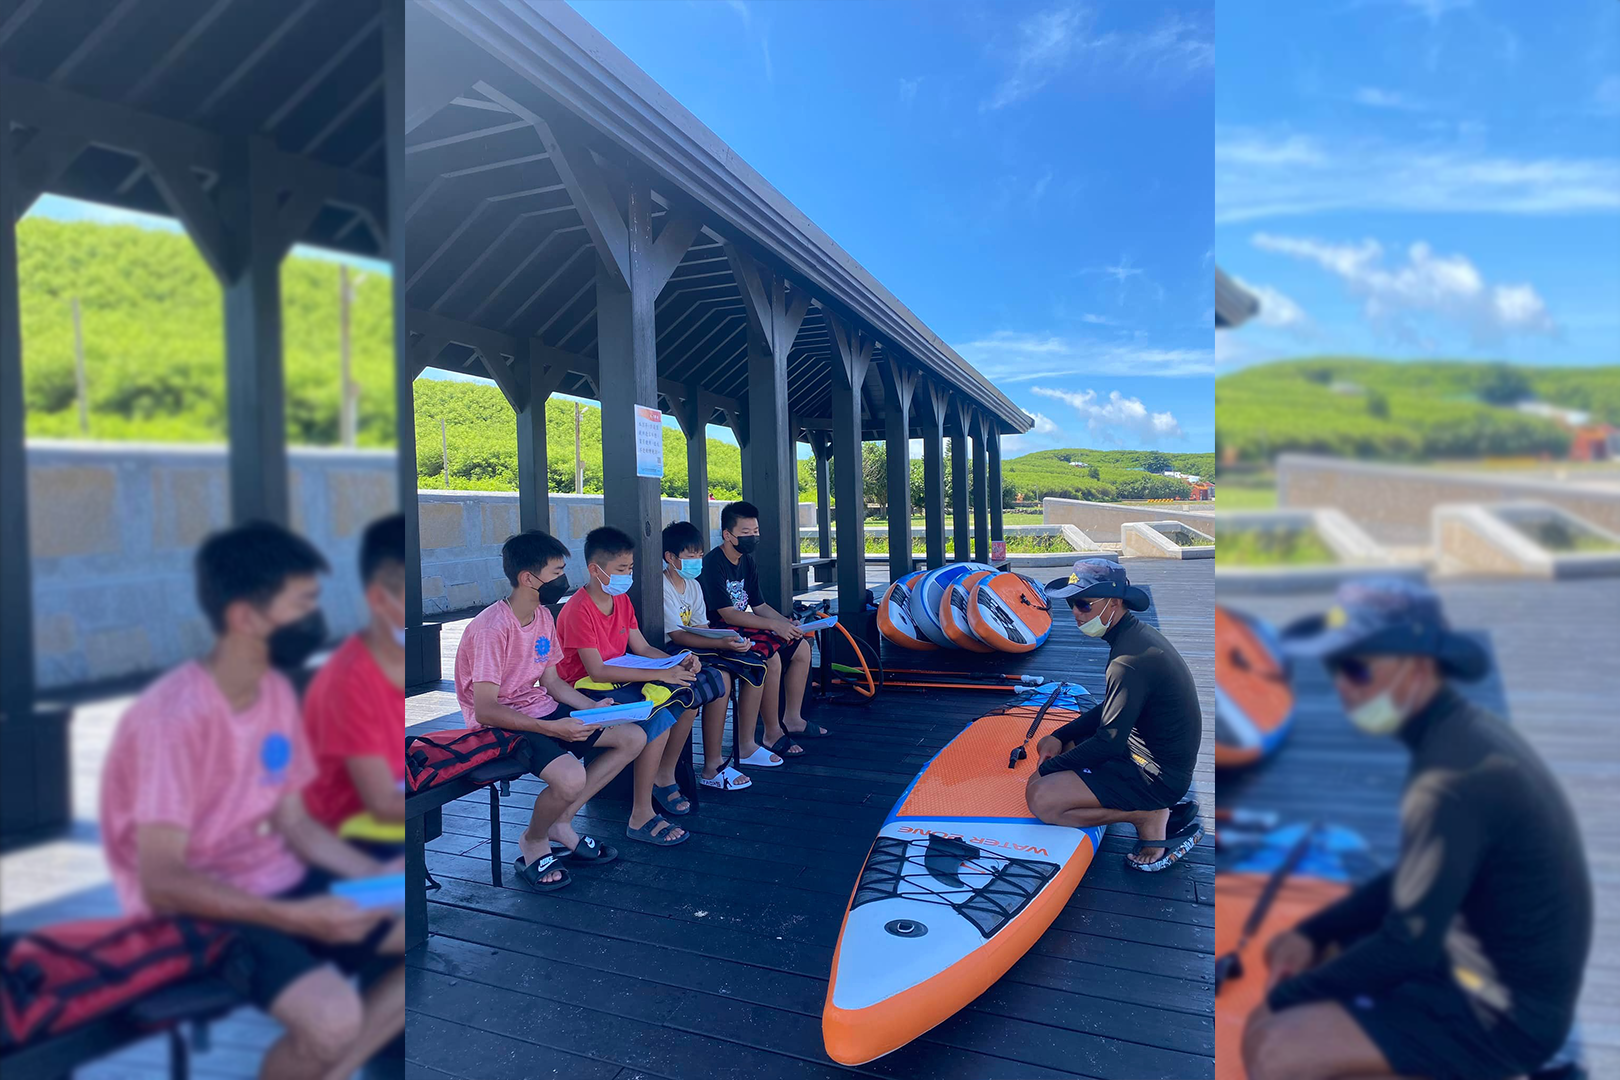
[(506, 677), (201, 813)]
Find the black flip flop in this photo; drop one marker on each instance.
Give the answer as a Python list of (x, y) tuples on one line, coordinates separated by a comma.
[(779, 748), (1175, 845), (600, 853), (529, 874), (812, 730), (1181, 815)]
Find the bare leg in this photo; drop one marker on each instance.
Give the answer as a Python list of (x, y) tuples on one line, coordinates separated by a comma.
[(642, 775), (565, 781), (771, 705), (714, 731), (1064, 799), (323, 1016), (383, 1018), (619, 746), (752, 698), (798, 674), (679, 735), (1319, 1041)]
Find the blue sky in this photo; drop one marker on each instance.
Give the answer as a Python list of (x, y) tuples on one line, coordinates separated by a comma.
[(1035, 181), (1422, 178)]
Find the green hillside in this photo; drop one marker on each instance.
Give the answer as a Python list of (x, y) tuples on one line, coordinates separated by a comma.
[(1108, 475), (154, 349), (1411, 411)]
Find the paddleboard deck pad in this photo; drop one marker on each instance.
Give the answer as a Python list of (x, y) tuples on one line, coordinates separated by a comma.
[(894, 618), (960, 882)]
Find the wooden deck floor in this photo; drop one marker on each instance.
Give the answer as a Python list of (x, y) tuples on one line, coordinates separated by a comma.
[(711, 959), (1555, 679)]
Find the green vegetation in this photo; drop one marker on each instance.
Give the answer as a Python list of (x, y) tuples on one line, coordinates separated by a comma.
[(1273, 547), (878, 544), (1183, 538), (1401, 411), (154, 344), (1555, 534), (1108, 475)]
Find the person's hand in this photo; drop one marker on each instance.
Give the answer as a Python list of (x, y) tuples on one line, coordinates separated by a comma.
[(692, 664), (335, 920), (567, 729), (396, 865), (738, 644), (788, 630), (679, 675), (1048, 747), (1288, 954)]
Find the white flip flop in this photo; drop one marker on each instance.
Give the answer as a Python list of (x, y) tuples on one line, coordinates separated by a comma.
[(727, 779), (761, 758)]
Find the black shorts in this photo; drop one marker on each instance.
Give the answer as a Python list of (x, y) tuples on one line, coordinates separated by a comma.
[(263, 962), (1119, 784), (1429, 1027), (543, 749)]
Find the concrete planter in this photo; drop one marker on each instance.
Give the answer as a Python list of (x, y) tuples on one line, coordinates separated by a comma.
[(1495, 540), (1357, 553), (1160, 540), (1102, 521)]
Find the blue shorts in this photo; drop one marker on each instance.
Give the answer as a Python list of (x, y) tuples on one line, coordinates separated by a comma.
[(659, 722)]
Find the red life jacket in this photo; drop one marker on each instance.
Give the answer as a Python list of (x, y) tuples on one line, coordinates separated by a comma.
[(59, 977)]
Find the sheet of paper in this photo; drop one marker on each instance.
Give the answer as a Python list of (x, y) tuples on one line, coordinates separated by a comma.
[(819, 624), (608, 715), (709, 634), (382, 891), (646, 663)]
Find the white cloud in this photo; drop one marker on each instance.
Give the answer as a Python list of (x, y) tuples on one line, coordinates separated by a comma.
[(1043, 436), (1264, 174), (1449, 287), (1098, 320), (1375, 98), (1277, 310), (1106, 417), (1012, 357), (1046, 43), (908, 89)]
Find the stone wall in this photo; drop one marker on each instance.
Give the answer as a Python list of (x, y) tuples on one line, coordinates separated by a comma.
[(113, 529), (1394, 503), (1101, 521)]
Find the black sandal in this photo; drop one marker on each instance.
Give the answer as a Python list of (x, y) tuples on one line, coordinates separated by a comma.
[(812, 730), (598, 852), (780, 748), (529, 874), (1175, 845)]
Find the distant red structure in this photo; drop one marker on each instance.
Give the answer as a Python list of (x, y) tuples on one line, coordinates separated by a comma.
[(1595, 442)]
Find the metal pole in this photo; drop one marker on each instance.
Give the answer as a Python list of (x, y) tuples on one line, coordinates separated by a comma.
[(444, 448), (78, 370)]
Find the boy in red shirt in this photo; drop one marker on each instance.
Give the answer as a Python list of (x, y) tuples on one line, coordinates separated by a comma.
[(201, 813), (597, 626), (506, 677), (354, 710)]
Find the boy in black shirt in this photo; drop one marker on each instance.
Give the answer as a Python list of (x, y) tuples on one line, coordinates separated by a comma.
[(731, 593)]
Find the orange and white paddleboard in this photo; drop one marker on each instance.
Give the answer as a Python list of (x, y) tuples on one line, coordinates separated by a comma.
[(953, 612), (960, 882), (1254, 702), (1009, 612), (894, 615)]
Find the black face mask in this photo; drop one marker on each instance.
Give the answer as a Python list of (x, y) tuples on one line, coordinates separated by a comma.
[(296, 642), (553, 591), (747, 544)]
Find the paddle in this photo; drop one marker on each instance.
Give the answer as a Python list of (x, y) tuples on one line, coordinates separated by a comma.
[(1018, 753), (1230, 966)]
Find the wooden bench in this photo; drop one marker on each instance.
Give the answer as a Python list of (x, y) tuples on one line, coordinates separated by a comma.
[(802, 569)]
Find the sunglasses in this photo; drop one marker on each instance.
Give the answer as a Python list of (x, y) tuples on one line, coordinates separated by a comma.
[(1351, 668), (1085, 606)]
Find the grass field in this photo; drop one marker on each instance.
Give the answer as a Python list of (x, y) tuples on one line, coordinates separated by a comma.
[(1259, 496), (1273, 547)]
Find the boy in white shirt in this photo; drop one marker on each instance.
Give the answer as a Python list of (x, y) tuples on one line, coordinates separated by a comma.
[(684, 610)]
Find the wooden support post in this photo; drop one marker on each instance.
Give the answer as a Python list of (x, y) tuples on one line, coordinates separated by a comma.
[(979, 425), (934, 411), (628, 357), (993, 442), (540, 377), (899, 384), (821, 449), (961, 548), (694, 421), (852, 354), (775, 311)]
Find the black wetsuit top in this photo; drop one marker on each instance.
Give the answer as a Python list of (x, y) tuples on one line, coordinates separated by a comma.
[(1491, 887), (1149, 712)]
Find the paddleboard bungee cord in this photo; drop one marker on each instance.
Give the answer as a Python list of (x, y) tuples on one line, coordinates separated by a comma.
[(1018, 752)]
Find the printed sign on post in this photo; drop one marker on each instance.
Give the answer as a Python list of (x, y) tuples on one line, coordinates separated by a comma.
[(649, 442), (998, 551)]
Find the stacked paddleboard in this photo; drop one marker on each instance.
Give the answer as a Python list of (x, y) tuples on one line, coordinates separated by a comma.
[(1254, 702), (968, 606), (960, 882)]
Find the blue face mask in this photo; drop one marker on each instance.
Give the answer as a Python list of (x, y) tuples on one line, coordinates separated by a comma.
[(691, 568), (617, 584)]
